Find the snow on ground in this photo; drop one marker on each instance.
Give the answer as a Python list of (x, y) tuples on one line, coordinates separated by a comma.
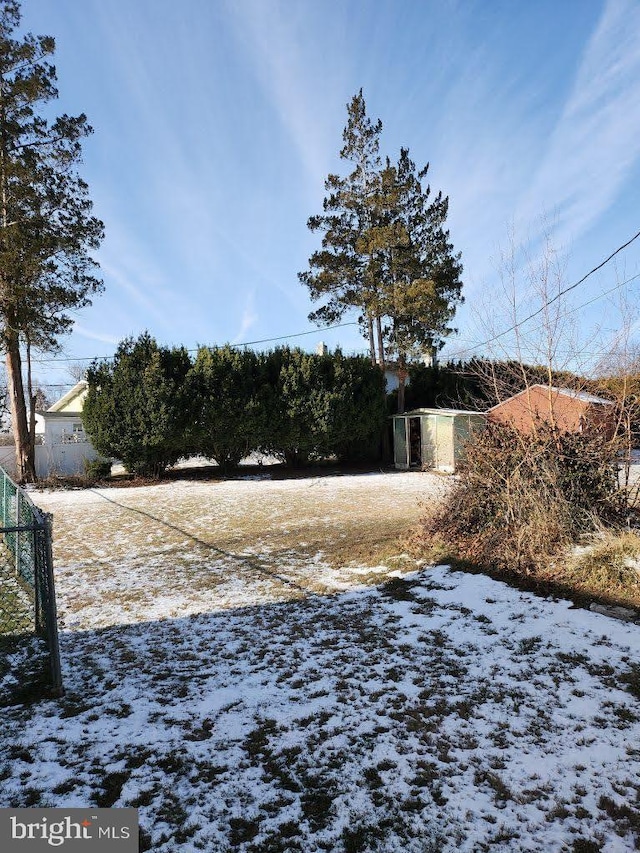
[(125, 555), (283, 705)]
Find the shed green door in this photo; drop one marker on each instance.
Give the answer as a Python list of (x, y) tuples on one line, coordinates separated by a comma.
[(428, 441), (465, 427), (444, 443), (461, 432), (400, 443)]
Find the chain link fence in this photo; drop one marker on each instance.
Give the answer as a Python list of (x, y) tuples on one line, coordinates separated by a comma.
[(29, 650)]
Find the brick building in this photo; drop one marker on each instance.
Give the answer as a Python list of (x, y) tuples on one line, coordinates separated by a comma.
[(568, 410)]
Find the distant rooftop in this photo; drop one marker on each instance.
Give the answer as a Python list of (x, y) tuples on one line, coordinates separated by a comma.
[(78, 389), (451, 412), (577, 395)]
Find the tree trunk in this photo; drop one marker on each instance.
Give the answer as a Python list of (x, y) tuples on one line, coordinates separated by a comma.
[(31, 397), (380, 343), (402, 379), (400, 394), (25, 462), (372, 344)]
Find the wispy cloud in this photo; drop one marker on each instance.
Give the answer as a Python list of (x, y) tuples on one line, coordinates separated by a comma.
[(596, 141), (196, 204), (249, 319), (95, 336), (276, 37), (136, 283)]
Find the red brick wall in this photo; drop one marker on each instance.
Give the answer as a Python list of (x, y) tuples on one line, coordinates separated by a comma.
[(539, 405)]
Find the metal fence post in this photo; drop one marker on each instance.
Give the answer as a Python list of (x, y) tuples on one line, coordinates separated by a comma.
[(17, 531), (52, 611), (37, 585)]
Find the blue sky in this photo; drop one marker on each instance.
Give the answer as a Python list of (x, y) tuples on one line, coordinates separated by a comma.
[(217, 121)]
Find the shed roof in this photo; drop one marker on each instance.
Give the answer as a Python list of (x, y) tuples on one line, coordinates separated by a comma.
[(581, 395), (414, 413)]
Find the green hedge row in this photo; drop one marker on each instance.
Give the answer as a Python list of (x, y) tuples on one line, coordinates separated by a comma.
[(152, 405)]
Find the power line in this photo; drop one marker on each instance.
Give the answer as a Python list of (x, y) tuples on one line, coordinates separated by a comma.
[(558, 296), (601, 295), (459, 352), (286, 337), (620, 284), (195, 349)]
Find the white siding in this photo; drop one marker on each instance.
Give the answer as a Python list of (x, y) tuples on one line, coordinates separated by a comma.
[(66, 460)]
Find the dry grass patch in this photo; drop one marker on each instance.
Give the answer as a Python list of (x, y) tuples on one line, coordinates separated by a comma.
[(369, 543), (176, 546), (342, 517), (608, 568)]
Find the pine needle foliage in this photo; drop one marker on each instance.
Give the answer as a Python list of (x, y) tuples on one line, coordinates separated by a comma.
[(225, 391), (385, 252), (47, 230), (323, 406), (137, 407), (152, 405)]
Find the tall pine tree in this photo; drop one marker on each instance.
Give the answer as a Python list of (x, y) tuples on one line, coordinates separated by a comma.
[(343, 271), (421, 286), (385, 250), (46, 228)]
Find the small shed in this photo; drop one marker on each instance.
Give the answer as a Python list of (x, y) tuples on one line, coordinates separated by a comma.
[(567, 409), (433, 438)]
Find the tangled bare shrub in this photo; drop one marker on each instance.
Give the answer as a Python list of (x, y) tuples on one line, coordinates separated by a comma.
[(521, 499)]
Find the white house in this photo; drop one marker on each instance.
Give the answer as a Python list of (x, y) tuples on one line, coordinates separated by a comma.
[(65, 445)]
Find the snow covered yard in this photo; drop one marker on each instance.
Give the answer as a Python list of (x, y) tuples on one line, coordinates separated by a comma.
[(133, 554), (245, 695)]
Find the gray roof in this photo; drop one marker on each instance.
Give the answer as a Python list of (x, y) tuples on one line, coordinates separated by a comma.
[(446, 412), (60, 416), (579, 395)]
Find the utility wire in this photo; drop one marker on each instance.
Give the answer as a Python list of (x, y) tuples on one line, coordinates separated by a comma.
[(556, 297), (459, 352), (195, 349), (286, 337)]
